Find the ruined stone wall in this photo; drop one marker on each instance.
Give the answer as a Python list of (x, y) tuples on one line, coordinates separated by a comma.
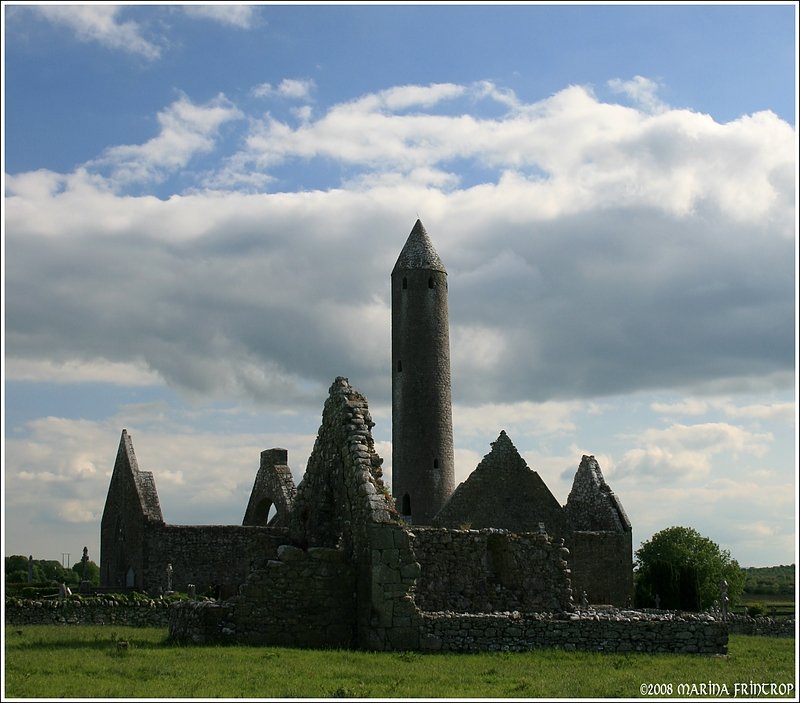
[(342, 489), (208, 556), (388, 618), (484, 571), (298, 599), (344, 576), (621, 633), (602, 566)]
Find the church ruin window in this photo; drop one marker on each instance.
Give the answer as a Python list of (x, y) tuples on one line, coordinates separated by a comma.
[(405, 283), (406, 508), (399, 367), (430, 282), (435, 463), (264, 511)]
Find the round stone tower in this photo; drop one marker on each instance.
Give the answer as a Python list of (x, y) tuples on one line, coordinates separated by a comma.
[(423, 473)]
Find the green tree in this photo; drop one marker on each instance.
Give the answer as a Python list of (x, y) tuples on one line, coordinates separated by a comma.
[(685, 570), (92, 571)]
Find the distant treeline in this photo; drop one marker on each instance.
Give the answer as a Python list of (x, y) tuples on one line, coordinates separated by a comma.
[(769, 580), (47, 572)]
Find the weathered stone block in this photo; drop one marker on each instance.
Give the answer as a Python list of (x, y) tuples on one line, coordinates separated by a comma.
[(286, 552)]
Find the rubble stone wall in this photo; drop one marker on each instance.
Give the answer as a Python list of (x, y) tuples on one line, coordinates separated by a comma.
[(602, 565), (53, 612), (300, 599), (484, 571), (212, 557), (522, 632)]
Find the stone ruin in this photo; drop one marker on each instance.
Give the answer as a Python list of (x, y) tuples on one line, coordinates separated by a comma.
[(493, 563), (337, 567)]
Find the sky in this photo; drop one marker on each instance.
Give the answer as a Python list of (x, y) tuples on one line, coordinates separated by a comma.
[(203, 205)]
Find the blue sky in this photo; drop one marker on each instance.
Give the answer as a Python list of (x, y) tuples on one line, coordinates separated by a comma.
[(203, 205)]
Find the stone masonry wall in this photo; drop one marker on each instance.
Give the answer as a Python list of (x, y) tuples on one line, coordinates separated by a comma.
[(521, 632), (209, 556), (343, 575), (102, 612), (299, 599), (602, 566), (484, 571)]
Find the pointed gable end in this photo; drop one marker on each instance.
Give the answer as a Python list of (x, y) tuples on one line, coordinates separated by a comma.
[(592, 505), (504, 493), (126, 479)]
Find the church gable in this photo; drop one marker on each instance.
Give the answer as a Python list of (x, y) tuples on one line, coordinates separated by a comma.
[(503, 492), (342, 486), (131, 493), (131, 505), (592, 506)]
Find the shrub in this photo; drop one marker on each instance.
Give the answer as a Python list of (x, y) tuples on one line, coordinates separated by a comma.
[(757, 610)]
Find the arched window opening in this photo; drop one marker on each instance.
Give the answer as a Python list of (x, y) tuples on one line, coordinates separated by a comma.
[(405, 283), (399, 366), (430, 282), (264, 512), (406, 508), (435, 463)]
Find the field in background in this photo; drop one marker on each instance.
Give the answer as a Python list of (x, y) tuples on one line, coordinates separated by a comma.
[(50, 661)]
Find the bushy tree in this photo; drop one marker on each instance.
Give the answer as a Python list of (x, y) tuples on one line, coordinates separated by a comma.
[(92, 571), (685, 570)]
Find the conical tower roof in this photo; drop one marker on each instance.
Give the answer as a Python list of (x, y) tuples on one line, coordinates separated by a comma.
[(418, 252)]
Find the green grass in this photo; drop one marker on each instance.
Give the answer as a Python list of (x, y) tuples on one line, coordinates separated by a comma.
[(47, 661)]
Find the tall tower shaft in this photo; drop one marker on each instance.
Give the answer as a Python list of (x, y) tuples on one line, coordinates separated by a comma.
[(423, 471)]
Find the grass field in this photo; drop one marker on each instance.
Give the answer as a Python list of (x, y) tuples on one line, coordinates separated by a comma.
[(46, 661)]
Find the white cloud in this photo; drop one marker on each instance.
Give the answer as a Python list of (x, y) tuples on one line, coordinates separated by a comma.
[(586, 154), (701, 406), (186, 129), (241, 16), (643, 92), (289, 88), (573, 275), (523, 419), (687, 450), (79, 371), (690, 406), (101, 24)]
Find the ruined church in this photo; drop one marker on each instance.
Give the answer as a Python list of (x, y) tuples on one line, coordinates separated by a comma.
[(340, 560)]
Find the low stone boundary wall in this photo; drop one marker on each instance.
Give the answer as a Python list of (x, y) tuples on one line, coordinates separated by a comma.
[(154, 613), (462, 632), (769, 627)]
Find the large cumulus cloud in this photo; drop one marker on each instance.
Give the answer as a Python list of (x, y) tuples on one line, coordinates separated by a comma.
[(593, 248)]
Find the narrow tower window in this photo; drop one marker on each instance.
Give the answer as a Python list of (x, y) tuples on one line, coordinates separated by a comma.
[(399, 367), (430, 282), (435, 463), (405, 283), (406, 505)]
